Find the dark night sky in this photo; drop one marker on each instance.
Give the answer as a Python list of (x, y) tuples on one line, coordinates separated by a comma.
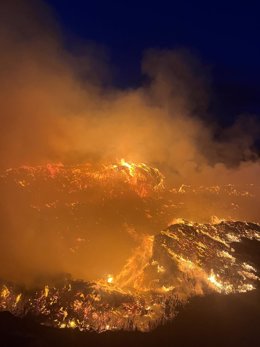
[(224, 34)]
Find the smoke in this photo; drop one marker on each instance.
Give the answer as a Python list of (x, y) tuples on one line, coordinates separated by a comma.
[(56, 106), (50, 112)]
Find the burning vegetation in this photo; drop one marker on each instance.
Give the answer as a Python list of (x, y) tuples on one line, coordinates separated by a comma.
[(93, 242), (165, 268)]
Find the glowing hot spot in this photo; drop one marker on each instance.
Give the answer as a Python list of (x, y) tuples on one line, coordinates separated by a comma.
[(110, 279)]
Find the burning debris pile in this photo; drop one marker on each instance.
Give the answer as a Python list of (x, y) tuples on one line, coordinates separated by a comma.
[(66, 206)]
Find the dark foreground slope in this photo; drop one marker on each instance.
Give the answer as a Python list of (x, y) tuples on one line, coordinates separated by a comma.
[(216, 320)]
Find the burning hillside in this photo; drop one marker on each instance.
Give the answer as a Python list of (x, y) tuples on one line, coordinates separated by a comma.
[(185, 260), (67, 213), (95, 242)]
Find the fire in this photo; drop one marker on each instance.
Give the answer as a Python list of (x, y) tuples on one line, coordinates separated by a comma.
[(5, 292), (18, 298), (215, 282), (72, 324), (46, 291), (131, 167), (162, 274), (110, 279), (144, 178), (167, 266), (140, 177)]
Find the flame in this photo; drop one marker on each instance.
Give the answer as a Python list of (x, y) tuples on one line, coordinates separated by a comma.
[(18, 298), (110, 279), (131, 167), (132, 273), (215, 282), (46, 291), (5, 292), (72, 324)]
